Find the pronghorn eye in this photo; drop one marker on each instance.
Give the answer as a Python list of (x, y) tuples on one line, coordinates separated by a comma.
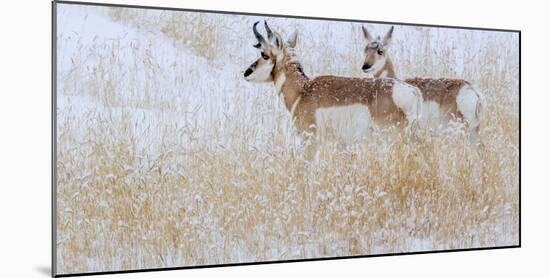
[(265, 56), (380, 52)]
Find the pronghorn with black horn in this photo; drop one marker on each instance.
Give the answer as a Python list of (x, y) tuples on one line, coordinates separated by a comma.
[(444, 98), (345, 106)]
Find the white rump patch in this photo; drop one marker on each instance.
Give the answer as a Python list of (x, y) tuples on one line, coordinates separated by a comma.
[(348, 123), (408, 99), (468, 103)]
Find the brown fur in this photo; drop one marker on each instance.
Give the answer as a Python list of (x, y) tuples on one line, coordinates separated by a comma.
[(330, 91), (442, 91)]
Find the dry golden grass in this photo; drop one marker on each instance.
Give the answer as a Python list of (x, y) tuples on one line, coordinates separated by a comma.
[(174, 185)]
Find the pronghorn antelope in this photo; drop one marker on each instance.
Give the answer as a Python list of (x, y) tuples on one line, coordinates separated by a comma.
[(341, 105), (444, 99)]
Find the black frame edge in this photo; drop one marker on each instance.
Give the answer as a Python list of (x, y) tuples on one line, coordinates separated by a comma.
[(54, 139), (519, 138)]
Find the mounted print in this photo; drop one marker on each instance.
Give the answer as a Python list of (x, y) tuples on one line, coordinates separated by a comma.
[(188, 138)]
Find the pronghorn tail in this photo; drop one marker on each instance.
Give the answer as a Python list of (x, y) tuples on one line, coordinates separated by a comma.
[(479, 105), (419, 103), (474, 136), (418, 106)]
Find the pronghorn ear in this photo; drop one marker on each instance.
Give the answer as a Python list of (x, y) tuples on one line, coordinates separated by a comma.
[(388, 37), (277, 41), (367, 35), (293, 39)]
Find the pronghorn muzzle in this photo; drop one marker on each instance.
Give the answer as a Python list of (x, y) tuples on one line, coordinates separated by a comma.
[(366, 67), (250, 69)]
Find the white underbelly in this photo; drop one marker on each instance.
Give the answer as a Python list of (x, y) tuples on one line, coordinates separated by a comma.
[(349, 123)]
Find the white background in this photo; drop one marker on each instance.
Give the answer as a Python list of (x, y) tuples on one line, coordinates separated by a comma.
[(25, 137)]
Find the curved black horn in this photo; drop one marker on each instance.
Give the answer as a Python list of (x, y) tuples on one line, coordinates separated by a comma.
[(261, 40), (269, 32)]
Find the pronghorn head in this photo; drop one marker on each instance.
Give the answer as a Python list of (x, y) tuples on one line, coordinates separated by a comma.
[(271, 52), (375, 51)]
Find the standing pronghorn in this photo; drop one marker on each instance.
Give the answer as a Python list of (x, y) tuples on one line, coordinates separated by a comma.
[(444, 99), (342, 105)]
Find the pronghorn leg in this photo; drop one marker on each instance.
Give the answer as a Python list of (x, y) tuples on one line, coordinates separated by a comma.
[(469, 103), (311, 143), (474, 136), (312, 149)]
